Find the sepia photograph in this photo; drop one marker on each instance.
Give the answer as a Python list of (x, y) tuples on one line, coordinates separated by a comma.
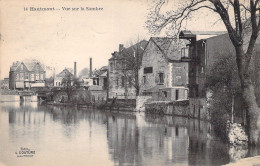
[(129, 82)]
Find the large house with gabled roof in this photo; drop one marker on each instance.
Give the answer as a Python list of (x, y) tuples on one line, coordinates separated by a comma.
[(164, 71), (27, 74), (123, 71)]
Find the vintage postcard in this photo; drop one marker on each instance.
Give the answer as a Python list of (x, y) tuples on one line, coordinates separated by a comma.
[(129, 82)]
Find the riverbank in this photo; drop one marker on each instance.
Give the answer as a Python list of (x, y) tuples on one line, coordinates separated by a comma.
[(251, 161)]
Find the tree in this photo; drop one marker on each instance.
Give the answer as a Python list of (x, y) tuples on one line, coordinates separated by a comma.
[(223, 82), (131, 58), (84, 72), (49, 81), (242, 21), (67, 85)]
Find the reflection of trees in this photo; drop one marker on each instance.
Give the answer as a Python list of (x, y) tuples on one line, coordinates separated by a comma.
[(123, 138), (153, 144), (162, 140)]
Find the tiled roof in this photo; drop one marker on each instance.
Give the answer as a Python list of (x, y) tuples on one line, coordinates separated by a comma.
[(163, 43), (140, 46), (29, 63), (169, 46)]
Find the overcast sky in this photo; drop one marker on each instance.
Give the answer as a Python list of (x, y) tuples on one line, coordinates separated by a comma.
[(58, 38)]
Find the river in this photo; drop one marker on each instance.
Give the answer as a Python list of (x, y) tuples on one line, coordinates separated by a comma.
[(71, 136)]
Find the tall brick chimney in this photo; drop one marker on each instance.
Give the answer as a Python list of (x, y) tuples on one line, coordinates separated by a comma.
[(75, 69), (90, 67)]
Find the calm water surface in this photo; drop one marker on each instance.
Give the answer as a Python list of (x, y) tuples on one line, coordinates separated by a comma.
[(70, 136)]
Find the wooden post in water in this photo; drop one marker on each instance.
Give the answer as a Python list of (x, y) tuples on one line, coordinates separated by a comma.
[(232, 110)]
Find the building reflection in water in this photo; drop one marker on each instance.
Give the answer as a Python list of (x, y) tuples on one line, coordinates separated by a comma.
[(131, 139)]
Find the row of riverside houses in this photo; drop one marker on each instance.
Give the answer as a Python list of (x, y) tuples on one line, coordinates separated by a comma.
[(172, 69), (163, 70)]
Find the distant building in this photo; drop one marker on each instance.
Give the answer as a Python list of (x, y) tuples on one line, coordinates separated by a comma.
[(65, 73), (123, 71), (99, 77), (98, 84), (164, 71), (26, 74)]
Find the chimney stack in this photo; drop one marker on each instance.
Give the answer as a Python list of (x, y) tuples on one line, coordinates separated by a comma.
[(90, 67), (121, 47), (75, 69)]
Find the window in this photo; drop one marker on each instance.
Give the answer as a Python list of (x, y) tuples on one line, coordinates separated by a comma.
[(117, 81), (26, 76), (37, 76), (122, 81), (177, 94), (130, 82), (17, 76), (32, 77), (111, 66), (144, 80), (165, 93), (161, 78), (41, 76), (148, 70), (21, 76)]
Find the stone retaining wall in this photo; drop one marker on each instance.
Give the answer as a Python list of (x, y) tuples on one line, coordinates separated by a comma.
[(180, 108)]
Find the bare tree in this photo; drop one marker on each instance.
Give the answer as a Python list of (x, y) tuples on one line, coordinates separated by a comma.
[(131, 63), (242, 21), (67, 85)]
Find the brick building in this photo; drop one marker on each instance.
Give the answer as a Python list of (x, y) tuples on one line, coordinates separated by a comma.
[(164, 73), (123, 71), (26, 74), (205, 49)]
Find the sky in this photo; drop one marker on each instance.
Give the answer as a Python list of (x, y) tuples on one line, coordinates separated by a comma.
[(59, 38)]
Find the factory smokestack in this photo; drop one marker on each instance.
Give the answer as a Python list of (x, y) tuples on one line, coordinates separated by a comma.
[(90, 67), (75, 69)]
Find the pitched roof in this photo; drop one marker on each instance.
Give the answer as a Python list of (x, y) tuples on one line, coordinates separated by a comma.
[(169, 46), (163, 43), (29, 63), (65, 72), (140, 46), (100, 71)]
